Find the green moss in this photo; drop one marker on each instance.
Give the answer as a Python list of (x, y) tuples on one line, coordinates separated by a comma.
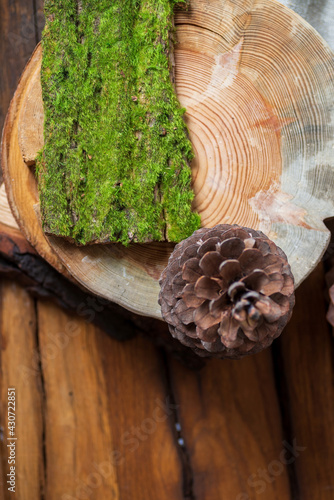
[(115, 165)]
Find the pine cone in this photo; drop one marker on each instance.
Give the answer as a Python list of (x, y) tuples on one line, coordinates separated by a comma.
[(227, 291)]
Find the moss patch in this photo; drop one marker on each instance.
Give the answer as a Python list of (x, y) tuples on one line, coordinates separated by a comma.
[(115, 165)]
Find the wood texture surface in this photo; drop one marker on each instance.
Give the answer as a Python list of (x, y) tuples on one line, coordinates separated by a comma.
[(21, 23), (259, 103), (76, 401), (20, 369), (227, 409), (226, 423), (238, 429), (305, 354), (319, 13)]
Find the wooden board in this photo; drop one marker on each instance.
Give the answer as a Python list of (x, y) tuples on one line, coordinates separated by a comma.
[(100, 461), (225, 431), (258, 85)]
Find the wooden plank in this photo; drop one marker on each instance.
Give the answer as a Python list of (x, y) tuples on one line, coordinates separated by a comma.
[(2, 477), (230, 423), (97, 391), (306, 360), (77, 432), (145, 435), (20, 369)]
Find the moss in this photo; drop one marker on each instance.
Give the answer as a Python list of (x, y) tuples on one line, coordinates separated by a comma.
[(115, 165)]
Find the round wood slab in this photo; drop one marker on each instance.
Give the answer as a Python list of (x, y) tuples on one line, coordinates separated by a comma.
[(258, 85)]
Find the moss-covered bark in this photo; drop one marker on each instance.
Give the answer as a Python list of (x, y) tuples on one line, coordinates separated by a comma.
[(115, 165)]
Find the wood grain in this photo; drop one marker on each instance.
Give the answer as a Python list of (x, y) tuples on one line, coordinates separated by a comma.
[(31, 123), (228, 412), (145, 436), (306, 360), (104, 428), (76, 404), (319, 13), (257, 83), (20, 369)]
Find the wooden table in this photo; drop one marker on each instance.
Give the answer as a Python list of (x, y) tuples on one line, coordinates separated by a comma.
[(100, 419)]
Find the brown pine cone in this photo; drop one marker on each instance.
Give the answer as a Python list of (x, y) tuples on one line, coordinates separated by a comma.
[(227, 291)]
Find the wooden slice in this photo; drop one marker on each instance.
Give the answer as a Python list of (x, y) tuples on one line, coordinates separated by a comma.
[(258, 85)]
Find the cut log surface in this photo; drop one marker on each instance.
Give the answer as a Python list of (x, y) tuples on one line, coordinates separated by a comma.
[(258, 85)]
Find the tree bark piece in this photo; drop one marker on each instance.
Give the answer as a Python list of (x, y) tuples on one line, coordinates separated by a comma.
[(115, 164), (258, 99)]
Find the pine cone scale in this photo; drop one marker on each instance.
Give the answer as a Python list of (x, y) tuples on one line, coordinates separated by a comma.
[(228, 331), (184, 313), (275, 284), (216, 306), (270, 310), (208, 246), (251, 259), (203, 318), (256, 280), (210, 263), (191, 270), (207, 288), (178, 285), (230, 270), (232, 248), (189, 253), (288, 287), (189, 296)]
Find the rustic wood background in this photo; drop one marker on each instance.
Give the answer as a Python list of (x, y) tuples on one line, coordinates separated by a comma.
[(101, 419)]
